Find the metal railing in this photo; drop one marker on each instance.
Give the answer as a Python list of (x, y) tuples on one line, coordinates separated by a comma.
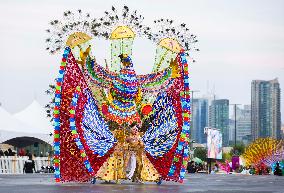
[(15, 164)]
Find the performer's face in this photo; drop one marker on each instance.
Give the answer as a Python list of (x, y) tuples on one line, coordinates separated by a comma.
[(134, 130)]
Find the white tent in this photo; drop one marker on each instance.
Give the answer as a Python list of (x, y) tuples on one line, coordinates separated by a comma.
[(35, 116), (11, 128)]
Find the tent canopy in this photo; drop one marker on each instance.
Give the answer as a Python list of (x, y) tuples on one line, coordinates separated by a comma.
[(35, 116), (23, 141), (11, 127)]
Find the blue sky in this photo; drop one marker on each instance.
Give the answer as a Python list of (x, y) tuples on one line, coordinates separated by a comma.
[(239, 41)]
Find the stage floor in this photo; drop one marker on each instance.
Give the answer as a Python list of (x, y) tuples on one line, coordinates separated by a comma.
[(43, 183)]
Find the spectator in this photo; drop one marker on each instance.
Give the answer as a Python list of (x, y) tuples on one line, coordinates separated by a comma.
[(22, 152), (29, 166), (1, 153), (267, 171), (201, 167), (11, 153), (191, 167), (277, 171), (216, 168), (252, 170), (27, 153), (6, 153)]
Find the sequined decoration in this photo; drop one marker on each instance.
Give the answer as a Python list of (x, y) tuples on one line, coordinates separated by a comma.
[(162, 133), (96, 132), (72, 166)]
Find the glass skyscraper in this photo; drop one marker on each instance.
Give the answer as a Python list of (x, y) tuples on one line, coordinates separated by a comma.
[(199, 119), (265, 109), (243, 116), (219, 118)]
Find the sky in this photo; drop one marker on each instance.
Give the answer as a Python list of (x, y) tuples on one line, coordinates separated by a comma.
[(239, 41)]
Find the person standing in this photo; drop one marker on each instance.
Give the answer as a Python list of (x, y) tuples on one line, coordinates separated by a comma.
[(278, 171), (29, 166), (134, 161)]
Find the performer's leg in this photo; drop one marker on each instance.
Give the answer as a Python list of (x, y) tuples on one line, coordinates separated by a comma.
[(139, 166), (131, 166)]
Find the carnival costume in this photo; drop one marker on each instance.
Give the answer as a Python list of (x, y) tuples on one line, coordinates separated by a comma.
[(95, 104)]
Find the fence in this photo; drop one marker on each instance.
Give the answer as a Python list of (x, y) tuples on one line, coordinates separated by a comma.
[(15, 164)]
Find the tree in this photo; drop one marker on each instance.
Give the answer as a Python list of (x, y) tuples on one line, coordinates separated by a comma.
[(239, 149), (227, 156), (201, 153)]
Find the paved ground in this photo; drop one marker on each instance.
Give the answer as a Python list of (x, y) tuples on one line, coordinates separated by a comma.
[(43, 183)]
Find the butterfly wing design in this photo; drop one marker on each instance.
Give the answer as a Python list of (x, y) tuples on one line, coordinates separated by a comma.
[(165, 140), (83, 141)]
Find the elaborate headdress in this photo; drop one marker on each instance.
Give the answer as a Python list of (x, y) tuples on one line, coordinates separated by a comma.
[(170, 40), (74, 29), (121, 29)]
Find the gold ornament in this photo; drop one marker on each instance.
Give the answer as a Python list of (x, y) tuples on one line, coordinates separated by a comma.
[(109, 98), (122, 32), (175, 68), (138, 98), (76, 39), (84, 55), (170, 44)]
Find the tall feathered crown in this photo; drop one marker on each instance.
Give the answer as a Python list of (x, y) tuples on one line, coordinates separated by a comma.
[(166, 29), (115, 22), (75, 28), (121, 27)]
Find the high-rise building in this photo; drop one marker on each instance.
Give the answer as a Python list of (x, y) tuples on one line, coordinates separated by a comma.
[(199, 120), (243, 125), (219, 118), (265, 109), (231, 131), (282, 132)]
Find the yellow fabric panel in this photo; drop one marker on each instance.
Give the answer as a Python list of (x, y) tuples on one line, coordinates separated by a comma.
[(148, 173), (170, 44), (77, 38), (122, 32), (113, 168)]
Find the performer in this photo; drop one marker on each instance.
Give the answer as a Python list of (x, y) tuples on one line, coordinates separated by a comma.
[(134, 159), (113, 168), (89, 98)]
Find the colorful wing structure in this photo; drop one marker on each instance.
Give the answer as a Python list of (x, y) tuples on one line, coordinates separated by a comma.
[(155, 82), (82, 140), (166, 141)]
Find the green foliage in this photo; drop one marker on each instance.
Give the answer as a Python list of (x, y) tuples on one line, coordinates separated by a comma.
[(239, 149), (201, 153), (227, 156)]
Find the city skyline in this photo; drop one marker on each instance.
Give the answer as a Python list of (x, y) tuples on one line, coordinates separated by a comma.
[(199, 119), (265, 109), (235, 49), (219, 118)]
